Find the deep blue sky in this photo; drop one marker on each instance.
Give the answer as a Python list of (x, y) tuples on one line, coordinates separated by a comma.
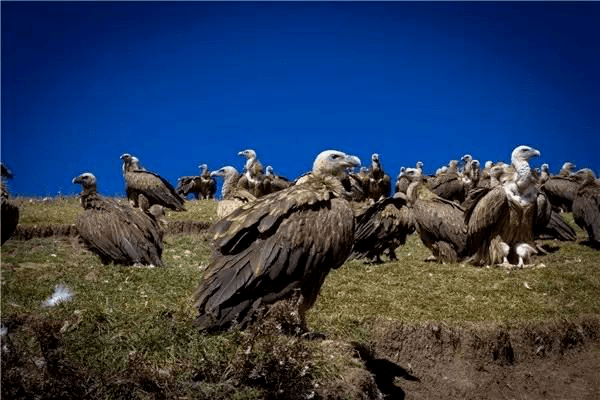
[(179, 84)]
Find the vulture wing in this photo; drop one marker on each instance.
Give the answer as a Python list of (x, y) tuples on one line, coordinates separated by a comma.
[(265, 250)]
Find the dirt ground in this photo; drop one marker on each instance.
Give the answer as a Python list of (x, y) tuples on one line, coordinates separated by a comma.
[(544, 361)]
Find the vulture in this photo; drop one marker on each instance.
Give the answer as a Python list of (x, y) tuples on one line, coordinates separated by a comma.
[(145, 188), (202, 187), (449, 185), (586, 206), (117, 232), (402, 181), (502, 219), (438, 221), (380, 185), (232, 196), (280, 247), (382, 226), (252, 178), (10, 211), (275, 183), (567, 169)]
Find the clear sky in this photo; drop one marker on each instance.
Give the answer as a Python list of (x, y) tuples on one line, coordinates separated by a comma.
[(180, 84)]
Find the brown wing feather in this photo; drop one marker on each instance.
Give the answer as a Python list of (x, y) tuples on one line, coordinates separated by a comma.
[(485, 220), (586, 211), (263, 251), (157, 189), (121, 234)]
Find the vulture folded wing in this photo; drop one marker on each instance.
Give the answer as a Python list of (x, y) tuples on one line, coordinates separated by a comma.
[(267, 249), (157, 189), (485, 218)]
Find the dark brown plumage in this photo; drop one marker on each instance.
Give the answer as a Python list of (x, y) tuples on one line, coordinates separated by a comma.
[(202, 186), (145, 188), (561, 191), (586, 208), (382, 226), (439, 223), (379, 184), (281, 244), (10, 211), (232, 196), (116, 232)]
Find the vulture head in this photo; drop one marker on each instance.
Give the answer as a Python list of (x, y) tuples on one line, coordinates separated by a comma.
[(545, 168), (225, 172), (567, 167), (419, 165), (87, 180), (334, 163), (488, 164), (586, 175), (127, 159), (466, 158), (203, 168), (249, 154), (523, 154), (269, 171)]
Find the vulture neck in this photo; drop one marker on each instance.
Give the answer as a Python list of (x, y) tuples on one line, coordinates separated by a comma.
[(523, 173), (229, 184), (89, 196)]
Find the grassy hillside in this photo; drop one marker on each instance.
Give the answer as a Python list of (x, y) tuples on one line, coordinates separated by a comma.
[(129, 331)]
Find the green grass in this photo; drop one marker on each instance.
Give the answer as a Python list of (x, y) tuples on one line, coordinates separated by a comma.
[(124, 316)]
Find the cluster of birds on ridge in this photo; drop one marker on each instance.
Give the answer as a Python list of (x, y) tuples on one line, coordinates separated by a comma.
[(278, 239)]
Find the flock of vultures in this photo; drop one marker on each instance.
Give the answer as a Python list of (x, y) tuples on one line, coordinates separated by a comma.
[(277, 239)]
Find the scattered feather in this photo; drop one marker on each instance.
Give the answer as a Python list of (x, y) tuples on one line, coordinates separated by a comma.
[(62, 293), (526, 285)]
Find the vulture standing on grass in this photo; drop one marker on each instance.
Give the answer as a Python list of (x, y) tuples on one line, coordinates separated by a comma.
[(145, 188), (280, 246), (202, 186), (438, 221), (232, 196), (117, 232), (501, 222), (10, 211), (586, 206), (382, 226)]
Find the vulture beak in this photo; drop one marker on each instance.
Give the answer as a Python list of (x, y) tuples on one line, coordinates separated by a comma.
[(77, 180), (215, 173), (125, 156), (351, 162), (242, 153), (535, 153)]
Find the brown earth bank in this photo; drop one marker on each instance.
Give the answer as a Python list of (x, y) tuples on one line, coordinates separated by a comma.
[(557, 360), (27, 232)]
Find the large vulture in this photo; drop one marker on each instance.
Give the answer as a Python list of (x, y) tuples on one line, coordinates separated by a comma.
[(438, 221), (10, 211), (586, 207), (382, 226), (145, 188), (232, 196), (280, 246), (501, 222), (117, 232)]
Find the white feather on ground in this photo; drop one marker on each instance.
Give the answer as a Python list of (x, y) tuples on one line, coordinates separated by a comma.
[(62, 293)]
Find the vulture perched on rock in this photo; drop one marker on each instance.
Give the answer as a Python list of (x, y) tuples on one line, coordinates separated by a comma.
[(382, 226), (586, 206), (232, 196), (117, 232), (10, 211), (145, 188), (501, 221), (281, 246)]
